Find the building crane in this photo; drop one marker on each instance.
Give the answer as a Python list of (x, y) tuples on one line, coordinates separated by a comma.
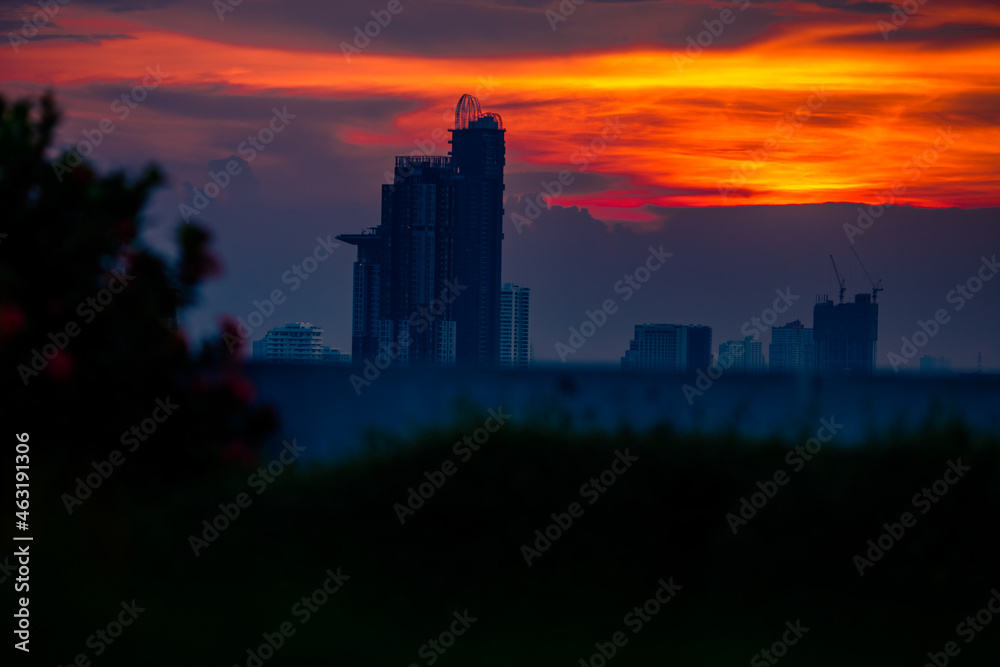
[(840, 281), (876, 286)]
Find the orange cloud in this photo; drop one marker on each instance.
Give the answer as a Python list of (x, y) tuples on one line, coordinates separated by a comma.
[(808, 114)]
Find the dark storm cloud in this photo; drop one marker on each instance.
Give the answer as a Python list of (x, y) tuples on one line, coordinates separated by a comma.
[(110, 5), (529, 182), (853, 6), (220, 103), (938, 38), (95, 39), (444, 28)]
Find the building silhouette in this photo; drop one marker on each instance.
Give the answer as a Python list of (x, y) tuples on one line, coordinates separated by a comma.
[(742, 356), (427, 279), (845, 335), (935, 365), (297, 342), (334, 357), (515, 345), (792, 349), (669, 347)]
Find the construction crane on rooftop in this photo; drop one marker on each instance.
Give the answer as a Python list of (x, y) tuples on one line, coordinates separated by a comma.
[(876, 287), (840, 281)]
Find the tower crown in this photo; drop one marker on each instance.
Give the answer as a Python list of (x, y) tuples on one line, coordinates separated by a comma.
[(466, 111)]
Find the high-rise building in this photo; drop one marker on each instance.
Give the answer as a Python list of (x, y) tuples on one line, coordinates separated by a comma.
[(792, 349), (669, 347), (334, 357), (935, 365), (845, 335), (299, 342), (699, 347), (515, 346), (427, 279), (742, 356)]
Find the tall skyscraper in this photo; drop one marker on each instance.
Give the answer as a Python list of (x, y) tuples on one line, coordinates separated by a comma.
[(515, 346), (478, 157), (669, 347), (845, 335), (427, 279), (296, 342), (792, 349), (744, 356)]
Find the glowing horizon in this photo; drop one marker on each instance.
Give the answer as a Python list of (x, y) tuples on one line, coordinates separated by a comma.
[(715, 129)]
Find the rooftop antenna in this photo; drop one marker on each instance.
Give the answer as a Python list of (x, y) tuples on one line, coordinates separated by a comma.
[(876, 286), (840, 281)]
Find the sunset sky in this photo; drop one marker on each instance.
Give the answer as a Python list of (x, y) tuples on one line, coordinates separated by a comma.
[(748, 103)]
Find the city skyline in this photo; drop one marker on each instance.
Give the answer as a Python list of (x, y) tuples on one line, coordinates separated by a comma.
[(433, 323), (749, 169)]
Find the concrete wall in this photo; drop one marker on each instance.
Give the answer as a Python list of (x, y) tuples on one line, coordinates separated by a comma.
[(319, 406)]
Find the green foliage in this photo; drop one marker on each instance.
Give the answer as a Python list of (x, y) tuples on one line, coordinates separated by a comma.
[(85, 354), (665, 517)]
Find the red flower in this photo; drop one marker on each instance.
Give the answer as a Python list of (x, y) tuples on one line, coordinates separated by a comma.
[(238, 452), (61, 366), (242, 388), (12, 320), (125, 229), (231, 336)]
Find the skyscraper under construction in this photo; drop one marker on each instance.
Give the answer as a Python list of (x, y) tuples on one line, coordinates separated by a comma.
[(846, 335), (427, 279)]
